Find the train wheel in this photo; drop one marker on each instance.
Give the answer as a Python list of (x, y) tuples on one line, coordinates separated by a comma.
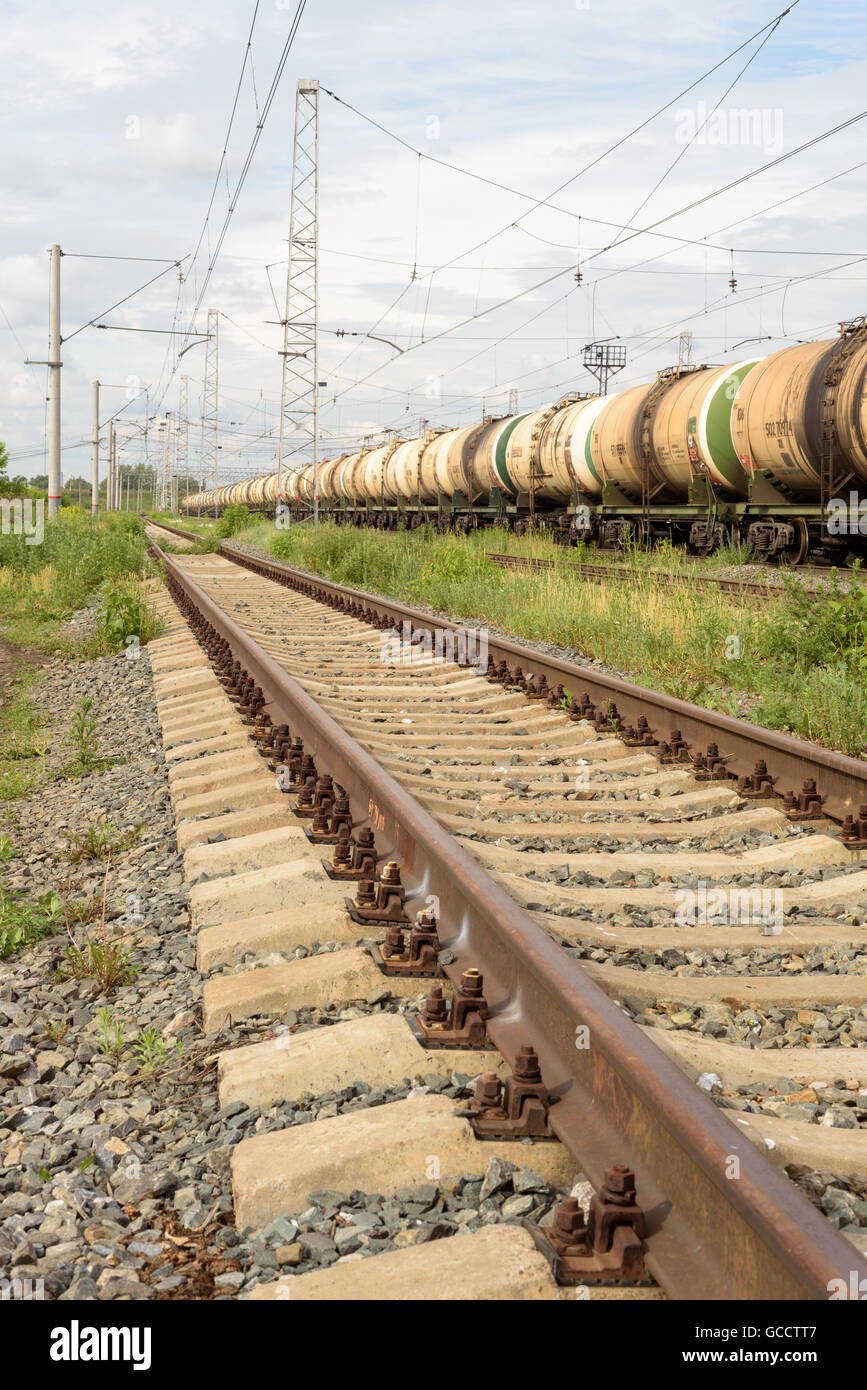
[(796, 553)]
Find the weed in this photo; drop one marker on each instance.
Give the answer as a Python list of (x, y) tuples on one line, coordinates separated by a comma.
[(87, 910), (734, 553), (57, 1031), (44, 1174), (82, 738), (111, 1032), (20, 725), (17, 783), (125, 612), (85, 1163), (235, 518), (42, 585), (151, 1051), (109, 963), (106, 962), (23, 921), (99, 841), (7, 849), (82, 735)]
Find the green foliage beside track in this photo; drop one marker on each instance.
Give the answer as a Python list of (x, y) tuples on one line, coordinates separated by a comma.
[(797, 663), (43, 584)]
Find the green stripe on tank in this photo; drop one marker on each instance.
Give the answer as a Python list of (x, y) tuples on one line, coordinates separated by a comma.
[(588, 456), (500, 453), (718, 425)]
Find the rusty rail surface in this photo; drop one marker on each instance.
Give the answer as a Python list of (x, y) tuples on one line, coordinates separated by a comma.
[(620, 1100), (765, 763)]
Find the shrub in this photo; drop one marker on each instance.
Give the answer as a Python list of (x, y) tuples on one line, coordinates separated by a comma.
[(125, 612), (234, 519)]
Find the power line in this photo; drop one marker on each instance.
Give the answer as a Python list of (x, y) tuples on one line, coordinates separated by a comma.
[(639, 232), (111, 309), (546, 201), (260, 126), (247, 55), (699, 129)]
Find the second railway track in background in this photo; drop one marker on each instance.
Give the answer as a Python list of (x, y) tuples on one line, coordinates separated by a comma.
[(625, 573), (596, 843)]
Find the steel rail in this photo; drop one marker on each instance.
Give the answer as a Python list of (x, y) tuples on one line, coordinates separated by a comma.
[(723, 1223), (666, 579), (841, 780)]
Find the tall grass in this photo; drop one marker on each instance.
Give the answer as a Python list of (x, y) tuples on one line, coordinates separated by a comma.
[(797, 663), (40, 585)]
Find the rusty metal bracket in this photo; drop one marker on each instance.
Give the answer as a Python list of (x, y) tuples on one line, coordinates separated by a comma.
[(516, 1110), (327, 824), (610, 1248), (805, 804), (461, 1025), (420, 957), (675, 750), (354, 860), (854, 830), (537, 688), (710, 766), (758, 784), (639, 735), (381, 900)]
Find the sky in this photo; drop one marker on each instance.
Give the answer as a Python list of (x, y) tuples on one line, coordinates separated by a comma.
[(116, 118)]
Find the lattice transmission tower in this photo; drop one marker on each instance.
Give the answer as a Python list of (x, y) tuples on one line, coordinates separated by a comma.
[(182, 463), (209, 453), (164, 460), (299, 395)]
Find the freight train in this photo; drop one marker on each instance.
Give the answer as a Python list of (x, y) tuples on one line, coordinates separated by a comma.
[(771, 452)]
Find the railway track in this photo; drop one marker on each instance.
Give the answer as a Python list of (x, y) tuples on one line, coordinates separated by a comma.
[(538, 839), (623, 573)]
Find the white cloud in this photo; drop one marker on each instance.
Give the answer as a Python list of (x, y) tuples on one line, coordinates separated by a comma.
[(525, 94)]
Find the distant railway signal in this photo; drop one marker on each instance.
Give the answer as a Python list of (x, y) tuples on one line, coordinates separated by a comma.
[(604, 360)]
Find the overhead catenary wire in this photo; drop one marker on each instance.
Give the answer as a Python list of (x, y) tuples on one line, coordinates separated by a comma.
[(126, 297), (245, 168), (622, 140), (639, 232), (699, 128)]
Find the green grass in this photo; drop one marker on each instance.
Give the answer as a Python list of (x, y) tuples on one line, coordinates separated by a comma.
[(99, 841), (23, 743), (23, 921), (798, 663), (43, 585)]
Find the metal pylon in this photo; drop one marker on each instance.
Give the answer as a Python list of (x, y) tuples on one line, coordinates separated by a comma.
[(209, 454), (164, 427), (299, 396), (183, 431)]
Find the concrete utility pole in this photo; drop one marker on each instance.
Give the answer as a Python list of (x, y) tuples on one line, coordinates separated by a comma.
[(94, 479), (54, 365), (109, 472)]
